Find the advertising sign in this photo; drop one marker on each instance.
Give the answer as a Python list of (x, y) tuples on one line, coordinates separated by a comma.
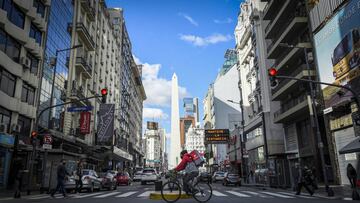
[(105, 128), (85, 118), (217, 136), (338, 52), (152, 125)]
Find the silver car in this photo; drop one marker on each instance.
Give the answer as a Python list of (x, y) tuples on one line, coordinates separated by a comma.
[(149, 175), (90, 180), (137, 176), (218, 176)]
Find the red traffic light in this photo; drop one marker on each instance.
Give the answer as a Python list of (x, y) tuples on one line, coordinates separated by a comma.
[(272, 72), (104, 91), (34, 134)]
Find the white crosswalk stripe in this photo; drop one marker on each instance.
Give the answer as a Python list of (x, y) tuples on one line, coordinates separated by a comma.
[(89, 195), (145, 194), (127, 194), (257, 194), (107, 195), (278, 195), (303, 196), (218, 194), (41, 196), (238, 194)]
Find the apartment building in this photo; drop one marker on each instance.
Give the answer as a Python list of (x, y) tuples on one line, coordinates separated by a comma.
[(22, 39)]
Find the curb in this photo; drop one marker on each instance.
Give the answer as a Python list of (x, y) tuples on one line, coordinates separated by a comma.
[(158, 196)]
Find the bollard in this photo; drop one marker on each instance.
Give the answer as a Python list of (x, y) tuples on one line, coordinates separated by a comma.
[(158, 185)]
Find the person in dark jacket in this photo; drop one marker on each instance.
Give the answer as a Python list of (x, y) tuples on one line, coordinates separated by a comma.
[(18, 178), (79, 173), (351, 174), (61, 174), (304, 180)]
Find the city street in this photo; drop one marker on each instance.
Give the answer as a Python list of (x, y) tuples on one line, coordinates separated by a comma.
[(139, 193)]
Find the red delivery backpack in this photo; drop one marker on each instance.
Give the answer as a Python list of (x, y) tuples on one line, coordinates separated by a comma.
[(197, 158)]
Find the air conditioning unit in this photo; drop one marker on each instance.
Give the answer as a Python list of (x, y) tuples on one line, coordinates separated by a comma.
[(15, 128), (26, 62), (3, 128)]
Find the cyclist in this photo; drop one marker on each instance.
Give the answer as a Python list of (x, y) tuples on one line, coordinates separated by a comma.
[(191, 171)]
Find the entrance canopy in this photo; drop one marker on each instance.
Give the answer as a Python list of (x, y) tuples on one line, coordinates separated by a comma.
[(353, 146)]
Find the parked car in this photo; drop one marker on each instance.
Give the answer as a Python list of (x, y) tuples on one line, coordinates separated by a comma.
[(137, 176), (218, 176), (205, 177), (149, 175), (90, 179), (231, 179), (109, 180), (123, 178)]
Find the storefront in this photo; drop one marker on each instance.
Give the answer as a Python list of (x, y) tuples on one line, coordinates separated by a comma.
[(6, 144)]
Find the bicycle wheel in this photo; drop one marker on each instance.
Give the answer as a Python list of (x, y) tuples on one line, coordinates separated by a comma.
[(171, 191), (202, 192)]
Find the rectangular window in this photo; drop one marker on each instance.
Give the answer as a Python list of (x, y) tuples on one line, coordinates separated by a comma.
[(14, 14), (25, 125), (27, 94), (10, 46), (5, 117), (34, 64), (2, 40), (7, 82), (40, 7), (35, 33)]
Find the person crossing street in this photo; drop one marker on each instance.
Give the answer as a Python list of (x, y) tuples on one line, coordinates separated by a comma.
[(61, 174)]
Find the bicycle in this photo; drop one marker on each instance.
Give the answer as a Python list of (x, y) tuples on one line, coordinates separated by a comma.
[(200, 191)]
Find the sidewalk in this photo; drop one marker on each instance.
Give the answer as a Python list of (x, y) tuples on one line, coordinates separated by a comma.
[(9, 194)]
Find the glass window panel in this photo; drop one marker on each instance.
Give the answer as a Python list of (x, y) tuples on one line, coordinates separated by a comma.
[(13, 49), (17, 17), (23, 94), (2, 40)]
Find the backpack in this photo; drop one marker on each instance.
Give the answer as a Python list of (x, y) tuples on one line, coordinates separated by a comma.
[(197, 158)]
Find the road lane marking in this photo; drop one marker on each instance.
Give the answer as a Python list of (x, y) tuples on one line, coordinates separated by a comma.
[(219, 194), (127, 194), (278, 195), (44, 196), (89, 195), (303, 196), (145, 194), (237, 194), (257, 194), (107, 195)]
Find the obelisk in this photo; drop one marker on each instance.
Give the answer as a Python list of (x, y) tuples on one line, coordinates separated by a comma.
[(175, 147)]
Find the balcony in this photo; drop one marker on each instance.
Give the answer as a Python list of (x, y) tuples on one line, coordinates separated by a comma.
[(294, 109), (292, 29), (84, 66), (89, 9), (291, 56), (79, 93), (84, 35), (271, 9)]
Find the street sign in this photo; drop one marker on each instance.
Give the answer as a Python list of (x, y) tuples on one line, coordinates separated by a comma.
[(48, 139), (79, 108), (328, 110), (47, 146)]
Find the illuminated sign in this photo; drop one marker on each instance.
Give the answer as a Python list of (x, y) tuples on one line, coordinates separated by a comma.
[(217, 136)]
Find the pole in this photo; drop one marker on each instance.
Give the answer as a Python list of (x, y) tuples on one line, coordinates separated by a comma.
[(53, 88)]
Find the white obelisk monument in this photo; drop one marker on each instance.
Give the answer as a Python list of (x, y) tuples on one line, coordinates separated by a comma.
[(175, 147)]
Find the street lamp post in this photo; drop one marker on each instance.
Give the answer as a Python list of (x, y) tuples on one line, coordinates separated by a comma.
[(314, 119)]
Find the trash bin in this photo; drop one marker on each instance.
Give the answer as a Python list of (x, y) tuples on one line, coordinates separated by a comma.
[(158, 185)]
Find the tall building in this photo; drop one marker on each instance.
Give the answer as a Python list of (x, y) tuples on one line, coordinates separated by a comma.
[(153, 148), (23, 39), (262, 139), (175, 145), (289, 50), (195, 138), (185, 124), (191, 108)]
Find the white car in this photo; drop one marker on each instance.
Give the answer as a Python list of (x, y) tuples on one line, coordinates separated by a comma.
[(137, 176), (218, 176), (149, 175), (91, 181)]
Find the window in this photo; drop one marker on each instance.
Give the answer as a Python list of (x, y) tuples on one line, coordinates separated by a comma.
[(5, 117), (35, 33), (27, 94), (7, 82), (25, 125), (40, 7), (10, 46), (34, 64), (14, 14)]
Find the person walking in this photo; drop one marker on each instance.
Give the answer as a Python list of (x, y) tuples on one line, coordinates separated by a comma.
[(79, 174), (304, 179), (61, 174), (18, 178), (351, 174)]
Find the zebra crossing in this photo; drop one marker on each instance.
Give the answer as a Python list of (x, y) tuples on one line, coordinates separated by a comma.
[(145, 193)]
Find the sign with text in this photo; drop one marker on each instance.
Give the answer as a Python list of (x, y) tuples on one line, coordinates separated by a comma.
[(217, 136), (105, 128), (85, 118), (79, 108)]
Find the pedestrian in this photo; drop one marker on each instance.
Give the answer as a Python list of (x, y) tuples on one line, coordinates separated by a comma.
[(61, 174), (351, 174), (79, 174), (314, 178), (303, 180), (18, 178), (252, 177)]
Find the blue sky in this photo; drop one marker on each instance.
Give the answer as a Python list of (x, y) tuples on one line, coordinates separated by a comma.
[(188, 37)]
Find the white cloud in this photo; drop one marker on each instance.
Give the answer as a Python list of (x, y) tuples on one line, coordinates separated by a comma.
[(154, 113), (158, 90), (204, 41), (226, 21), (189, 18)]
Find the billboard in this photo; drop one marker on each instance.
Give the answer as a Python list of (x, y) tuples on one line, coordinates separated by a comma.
[(217, 136), (85, 118), (152, 125), (337, 46), (105, 128), (189, 105)]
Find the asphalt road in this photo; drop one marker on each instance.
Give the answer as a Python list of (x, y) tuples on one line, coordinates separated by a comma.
[(137, 193)]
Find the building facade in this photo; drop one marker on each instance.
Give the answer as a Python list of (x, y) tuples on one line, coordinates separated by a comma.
[(195, 140), (185, 123)]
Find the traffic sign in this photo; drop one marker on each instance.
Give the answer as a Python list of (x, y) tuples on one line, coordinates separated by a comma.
[(48, 139), (79, 108), (47, 146)]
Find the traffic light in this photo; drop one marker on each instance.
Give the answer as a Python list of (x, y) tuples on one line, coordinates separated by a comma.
[(272, 76), (33, 138), (104, 92)]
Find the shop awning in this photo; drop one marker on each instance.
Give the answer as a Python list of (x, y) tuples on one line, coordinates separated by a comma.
[(353, 146)]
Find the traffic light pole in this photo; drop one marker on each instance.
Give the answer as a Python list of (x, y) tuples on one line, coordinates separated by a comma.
[(33, 141)]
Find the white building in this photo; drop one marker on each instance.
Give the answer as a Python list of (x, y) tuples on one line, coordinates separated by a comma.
[(153, 148), (175, 145), (195, 140)]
